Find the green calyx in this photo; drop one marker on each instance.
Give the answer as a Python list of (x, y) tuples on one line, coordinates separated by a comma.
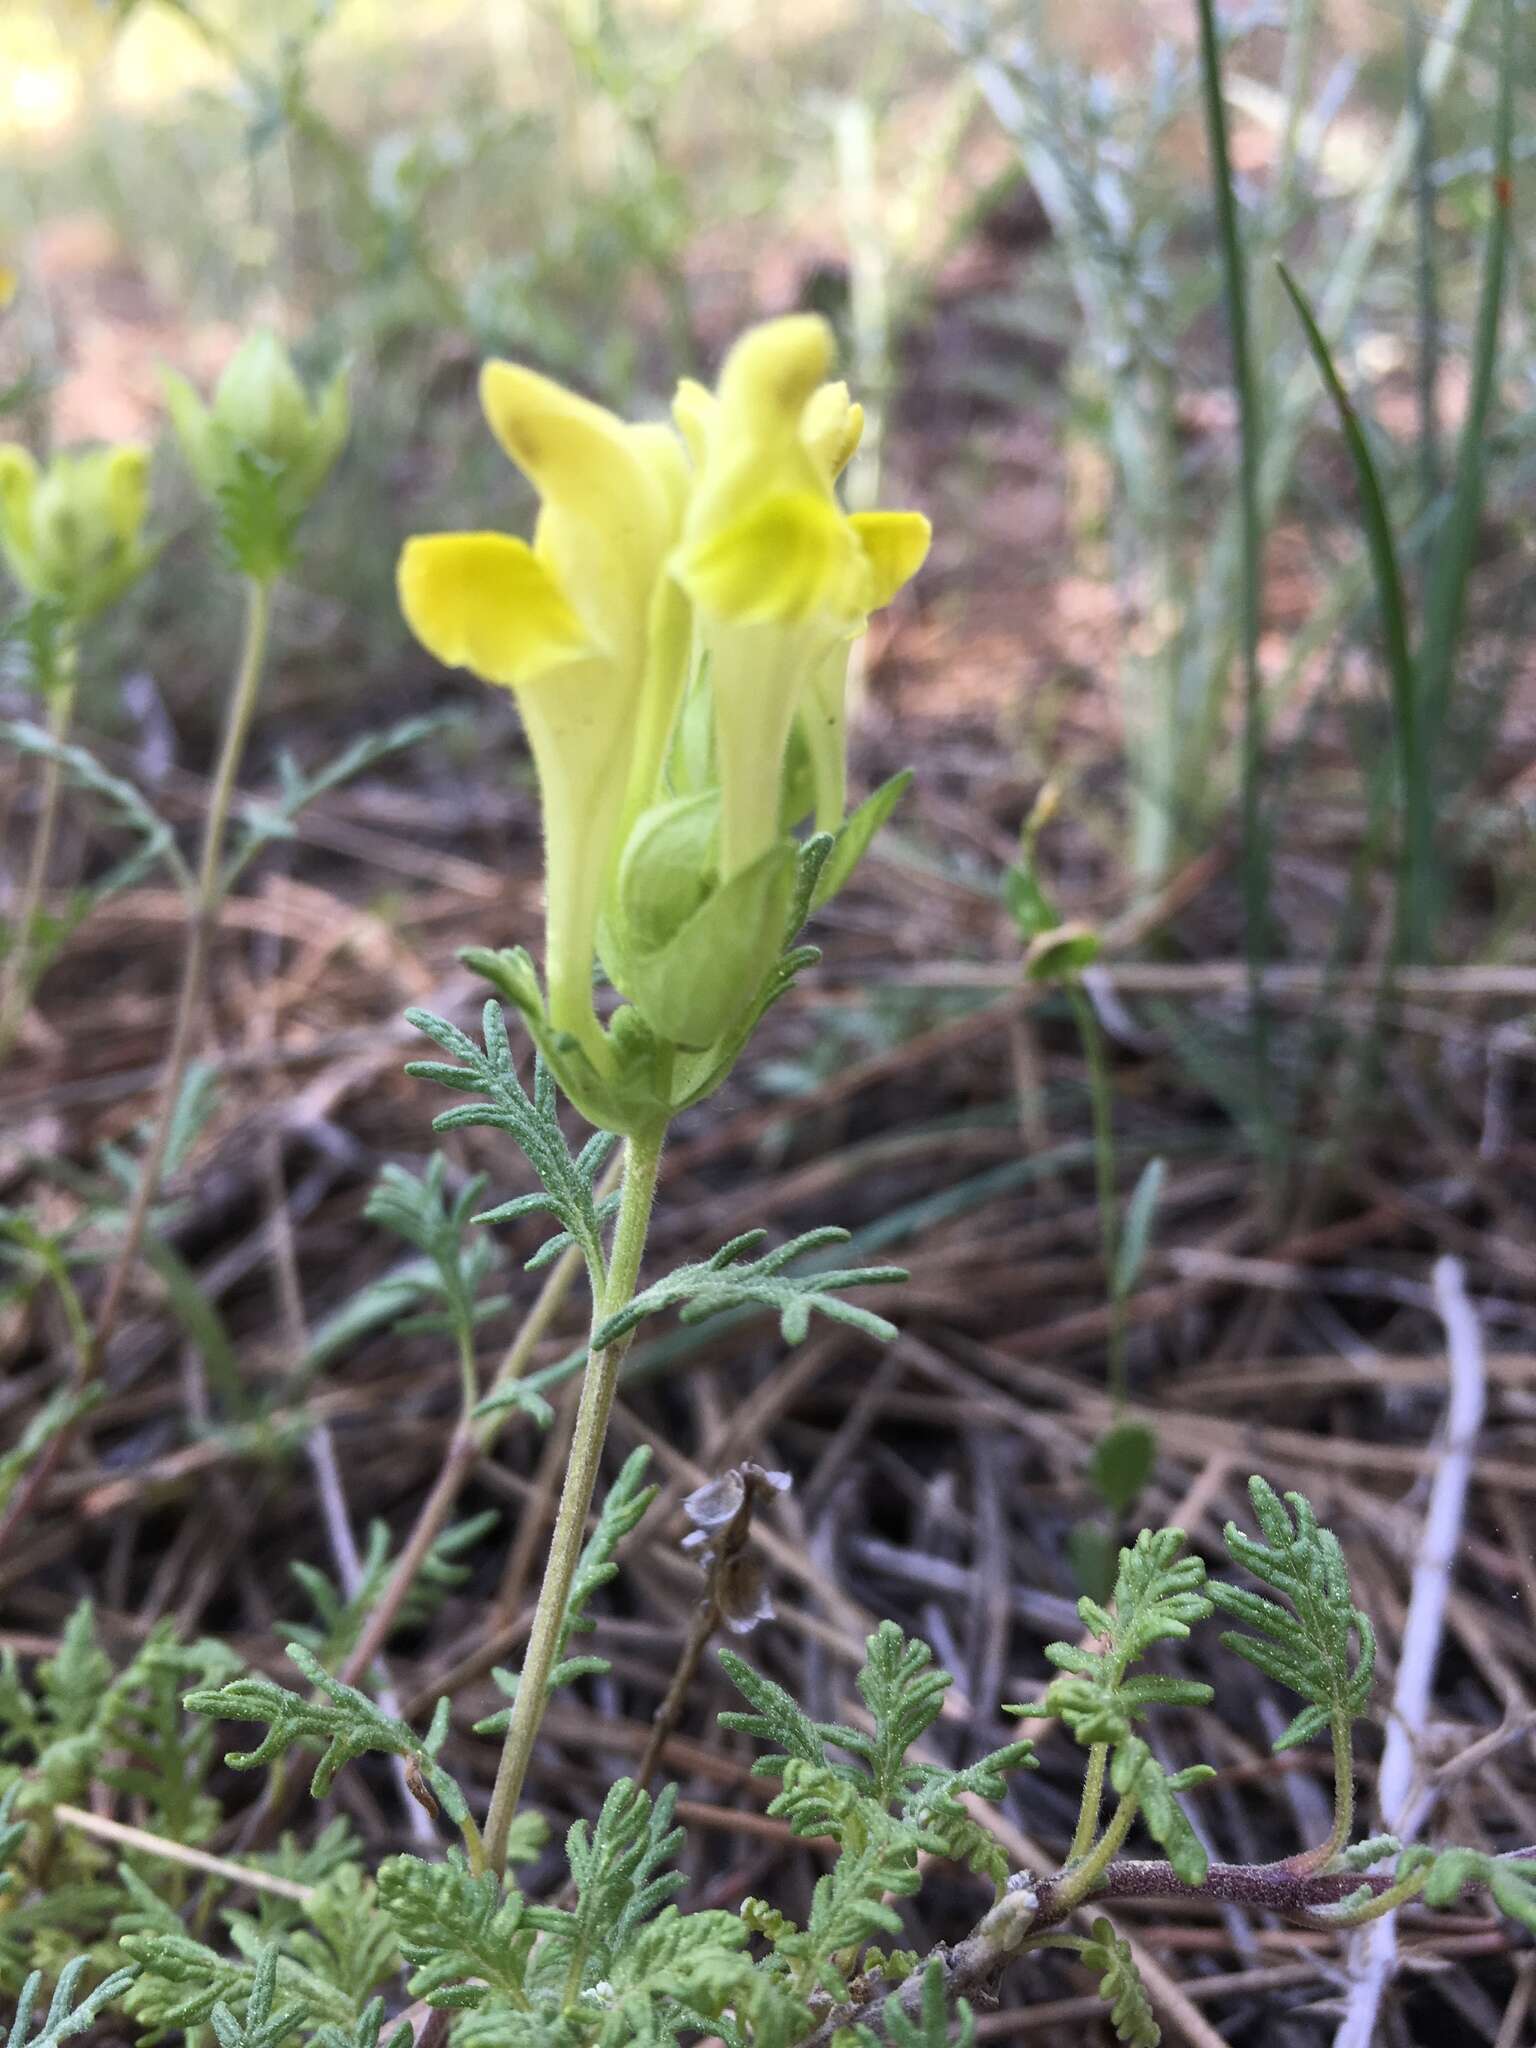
[(690, 951), (699, 960), (262, 449)]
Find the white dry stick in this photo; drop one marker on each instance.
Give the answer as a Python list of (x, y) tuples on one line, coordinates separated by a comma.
[(122, 1836), (1404, 1799)]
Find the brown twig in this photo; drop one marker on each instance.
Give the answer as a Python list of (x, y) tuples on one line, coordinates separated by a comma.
[(972, 1967), (731, 1589)]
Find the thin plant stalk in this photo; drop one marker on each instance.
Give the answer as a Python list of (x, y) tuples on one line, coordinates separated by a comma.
[(1255, 849), (203, 923), (642, 1161), (470, 1442), (1102, 1104), (16, 984), (1088, 1809)]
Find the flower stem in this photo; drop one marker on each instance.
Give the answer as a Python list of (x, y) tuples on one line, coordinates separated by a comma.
[(203, 922), (16, 985), (470, 1441), (1088, 1812), (1323, 1856), (1102, 1101), (1078, 1882), (641, 1163)]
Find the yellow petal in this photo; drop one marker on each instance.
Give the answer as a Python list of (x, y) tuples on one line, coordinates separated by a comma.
[(695, 411), (788, 558), (831, 428), (771, 373), (577, 455), (485, 602), (665, 460), (895, 545)]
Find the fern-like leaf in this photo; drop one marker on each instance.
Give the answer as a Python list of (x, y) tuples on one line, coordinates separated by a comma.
[(260, 2026), (1121, 1988), (339, 1621), (567, 1184), (618, 1868), (1509, 1881), (65, 2016), (1159, 1595), (1134, 1770), (364, 2031), (343, 1724), (257, 517), (1320, 1644), (298, 789), (418, 1209), (464, 1934), (730, 1280), (180, 1981), (904, 1691), (776, 1719)]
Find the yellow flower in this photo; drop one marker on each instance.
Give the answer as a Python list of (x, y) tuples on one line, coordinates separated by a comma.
[(72, 533), (583, 627), (781, 579)]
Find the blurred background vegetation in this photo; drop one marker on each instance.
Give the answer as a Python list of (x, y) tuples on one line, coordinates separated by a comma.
[(1006, 210)]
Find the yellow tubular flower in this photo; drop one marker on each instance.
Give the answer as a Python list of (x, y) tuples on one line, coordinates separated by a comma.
[(781, 579), (579, 626)]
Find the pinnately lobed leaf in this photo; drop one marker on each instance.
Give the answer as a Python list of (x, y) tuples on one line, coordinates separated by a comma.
[(343, 1724), (65, 2016), (1159, 1595), (1309, 1643), (728, 1279), (1121, 1988)]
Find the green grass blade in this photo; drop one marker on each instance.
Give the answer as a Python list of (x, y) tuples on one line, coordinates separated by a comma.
[(1426, 284), (1445, 598), (1416, 842), (1255, 848)]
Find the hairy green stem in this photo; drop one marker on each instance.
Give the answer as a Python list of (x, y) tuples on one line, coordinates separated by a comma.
[(1322, 1857), (203, 923), (1343, 1789), (16, 984), (1077, 1882), (469, 1443), (642, 1161), (1088, 1812), (468, 1386)]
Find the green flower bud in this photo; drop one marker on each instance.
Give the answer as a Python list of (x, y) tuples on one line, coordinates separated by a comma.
[(72, 534), (260, 402), (263, 448)]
